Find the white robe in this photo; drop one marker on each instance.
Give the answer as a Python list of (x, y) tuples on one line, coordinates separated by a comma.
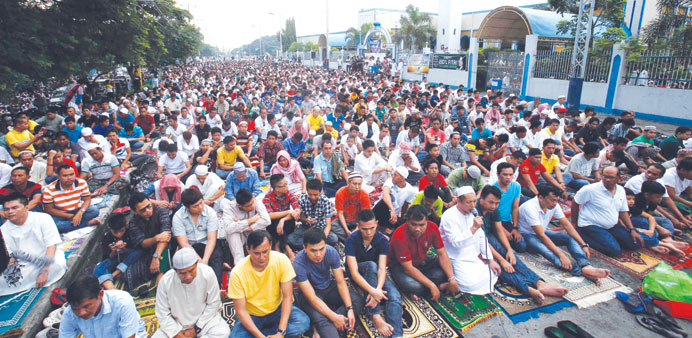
[(366, 165), (463, 247), (210, 187), (33, 238), (181, 306)]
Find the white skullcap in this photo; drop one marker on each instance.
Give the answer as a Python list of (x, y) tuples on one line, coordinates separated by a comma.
[(201, 170), (402, 171), (184, 258), (464, 190)]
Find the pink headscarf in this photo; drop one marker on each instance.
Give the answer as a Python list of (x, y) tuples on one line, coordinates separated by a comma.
[(299, 127), (541, 107), (170, 181), (293, 172)]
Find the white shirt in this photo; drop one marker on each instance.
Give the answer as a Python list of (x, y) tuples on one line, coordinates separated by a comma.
[(363, 129), (673, 180), (188, 148), (599, 207), (214, 121), (173, 165), (174, 133), (33, 238), (396, 160), (366, 165), (186, 121), (635, 184), (83, 144), (5, 173), (493, 171), (100, 170), (400, 195), (518, 143), (580, 165), (531, 214)]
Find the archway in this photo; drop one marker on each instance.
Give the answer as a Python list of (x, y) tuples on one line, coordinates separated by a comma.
[(377, 28), (505, 23)]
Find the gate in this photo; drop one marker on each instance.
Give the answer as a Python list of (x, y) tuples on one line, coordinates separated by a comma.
[(506, 68)]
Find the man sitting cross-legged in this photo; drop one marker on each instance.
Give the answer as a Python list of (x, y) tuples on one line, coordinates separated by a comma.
[(514, 272), (69, 202), (412, 269), (366, 257), (241, 216), (262, 293), (534, 217), (325, 296), (187, 300)]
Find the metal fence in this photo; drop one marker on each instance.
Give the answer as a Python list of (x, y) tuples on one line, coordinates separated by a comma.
[(556, 65), (664, 69), (507, 67)]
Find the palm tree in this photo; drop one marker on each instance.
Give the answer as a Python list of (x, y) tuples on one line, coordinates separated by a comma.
[(416, 28), (353, 35)]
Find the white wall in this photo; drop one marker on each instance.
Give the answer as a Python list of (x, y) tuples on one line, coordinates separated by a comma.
[(448, 76), (593, 94), (676, 103), (411, 76)]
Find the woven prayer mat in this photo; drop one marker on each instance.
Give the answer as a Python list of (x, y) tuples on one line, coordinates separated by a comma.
[(582, 292), (635, 263), (520, 308), (420, 318), (13, 308), (677, 262), (463, 311)]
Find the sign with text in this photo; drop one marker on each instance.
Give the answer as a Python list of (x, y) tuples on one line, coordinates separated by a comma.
[(448, 61), (418, 63)]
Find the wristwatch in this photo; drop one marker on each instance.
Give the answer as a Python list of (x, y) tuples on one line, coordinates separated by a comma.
[(283, 332), (633, 229), (156, 255), (586, 245), (349, 308)]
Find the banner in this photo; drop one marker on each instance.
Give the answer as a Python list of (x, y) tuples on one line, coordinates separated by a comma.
[(374, 43), (418, 63), (449, 61)]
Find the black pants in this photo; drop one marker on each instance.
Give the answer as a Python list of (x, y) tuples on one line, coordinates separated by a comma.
[(215, 260), (289, 227), (330, 188), (382, 214), (332, 298)]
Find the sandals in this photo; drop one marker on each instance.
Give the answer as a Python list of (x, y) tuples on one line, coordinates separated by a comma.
[(652, 324), (566, 329)]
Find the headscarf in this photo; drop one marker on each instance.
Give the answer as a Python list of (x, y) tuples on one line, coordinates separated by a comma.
[(170, 181), (293, 172), (299, 127), (541, 107)]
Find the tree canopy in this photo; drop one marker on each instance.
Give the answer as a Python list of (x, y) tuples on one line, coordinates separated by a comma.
[(607, 14), (288, 34), (47, 38), (354, 35), (416, 28), (668, 30)]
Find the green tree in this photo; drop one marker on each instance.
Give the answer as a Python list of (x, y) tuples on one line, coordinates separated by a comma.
[(416, 28), (607, 14), (354, 36), (209, 50), (668, 30), (296, 47), (288, 34)]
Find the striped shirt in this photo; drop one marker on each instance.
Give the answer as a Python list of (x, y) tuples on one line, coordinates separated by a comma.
[(66, 199)]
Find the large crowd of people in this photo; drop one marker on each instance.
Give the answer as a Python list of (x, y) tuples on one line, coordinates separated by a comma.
[(366, 174)]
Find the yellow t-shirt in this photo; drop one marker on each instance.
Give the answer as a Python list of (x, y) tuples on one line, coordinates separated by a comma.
[(228, 157), (13, 137), (335, 134), (261, 290), (315, 122), (32, 124), (550, 164)]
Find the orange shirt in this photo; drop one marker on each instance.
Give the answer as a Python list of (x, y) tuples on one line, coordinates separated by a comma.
[(351, 204)]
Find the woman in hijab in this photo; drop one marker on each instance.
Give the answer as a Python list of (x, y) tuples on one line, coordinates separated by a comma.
[(292, 171)]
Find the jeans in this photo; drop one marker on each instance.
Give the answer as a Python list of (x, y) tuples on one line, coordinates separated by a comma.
[(643, 223), (65, 224), (332, 298), (566, 178), (578, 183), (519, 246), (223, 173), (104, 269), (298, 323), (330, 188), (295, 239), (523, 277), (421, 155), (407, 284), (135, 145), (569, 152), (393, 305), (535, 245), (608, 241)]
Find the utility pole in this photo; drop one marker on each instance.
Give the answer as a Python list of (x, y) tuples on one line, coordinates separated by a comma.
[(580, 54), (326, 36)]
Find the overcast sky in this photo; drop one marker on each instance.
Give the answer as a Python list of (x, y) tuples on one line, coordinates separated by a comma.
[(233, 23)]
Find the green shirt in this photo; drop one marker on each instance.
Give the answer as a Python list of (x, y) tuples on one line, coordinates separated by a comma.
[(489, 219), (670, 147), (642, 139), (456, 180), (437, 205)]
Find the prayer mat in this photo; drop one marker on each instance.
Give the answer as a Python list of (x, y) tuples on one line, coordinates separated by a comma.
[(420, 319), (677, 262), (520, 308), (13, 308), (582, 292), (463, 311), (634, 263)]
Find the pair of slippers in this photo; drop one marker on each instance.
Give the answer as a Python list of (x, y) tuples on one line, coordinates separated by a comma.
[(566, 329), (650, 316)]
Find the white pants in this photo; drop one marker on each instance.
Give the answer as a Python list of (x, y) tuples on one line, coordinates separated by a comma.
[(219, 330), (236, 243)]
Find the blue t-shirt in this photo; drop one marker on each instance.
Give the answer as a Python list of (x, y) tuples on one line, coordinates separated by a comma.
[(292, 148), (505, 207), (378, 246), (475, 134), (98, 130), (319, 274), (126, 120), (337, 122), (75, 134), (136, 133)]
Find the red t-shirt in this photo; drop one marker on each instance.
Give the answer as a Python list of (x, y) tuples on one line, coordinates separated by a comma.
[(533, 171), (145, 122), (351, 204), (424, 182), (403, 247)]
